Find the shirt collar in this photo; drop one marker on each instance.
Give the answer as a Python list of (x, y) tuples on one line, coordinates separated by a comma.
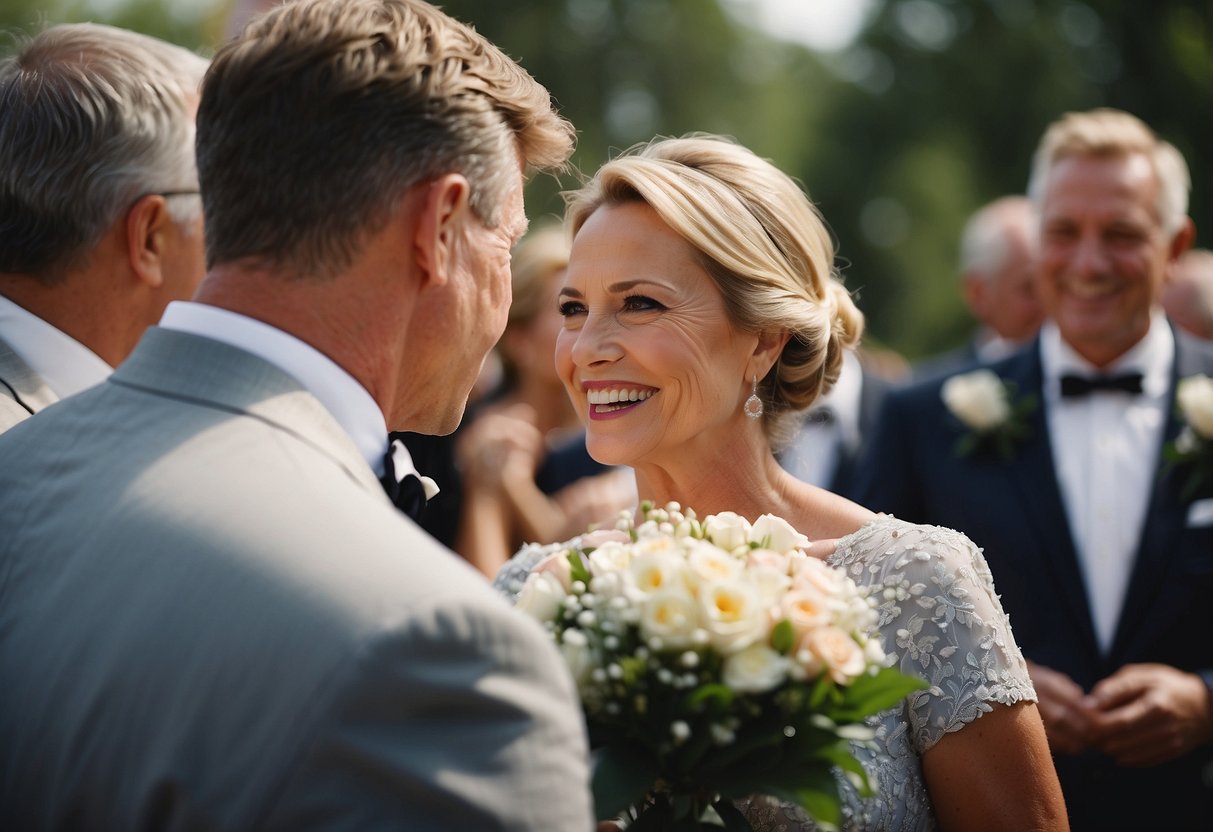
[(843, 398), (1152, 356), (341, 394), (64, 364)]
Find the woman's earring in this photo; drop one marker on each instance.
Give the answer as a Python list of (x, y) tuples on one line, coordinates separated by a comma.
[(753, 405)]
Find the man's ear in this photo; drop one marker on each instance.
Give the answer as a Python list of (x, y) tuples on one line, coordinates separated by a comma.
[(148, 226), (443, 207), (1182, 240), (767, 351), (973, 289)]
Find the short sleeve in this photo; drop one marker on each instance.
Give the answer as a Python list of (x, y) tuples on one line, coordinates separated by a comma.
[(941, 620)]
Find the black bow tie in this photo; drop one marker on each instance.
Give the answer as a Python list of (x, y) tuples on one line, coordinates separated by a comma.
[(408, 494), (1073, 386)]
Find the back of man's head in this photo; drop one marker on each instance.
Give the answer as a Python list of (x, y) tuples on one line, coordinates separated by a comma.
[(323, 113), (94, 117)]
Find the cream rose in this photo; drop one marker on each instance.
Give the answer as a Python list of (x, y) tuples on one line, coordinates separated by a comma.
[(831, 649), (671, 615), (541, 596), (557, 565), (733, 614), (727, 530), (773, 532), (806, 609), (1195, 397), (709, 563), (756, 669), (978, 399), (652, 571)]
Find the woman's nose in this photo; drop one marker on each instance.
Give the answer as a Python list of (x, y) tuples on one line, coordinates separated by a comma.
[(598, 341)]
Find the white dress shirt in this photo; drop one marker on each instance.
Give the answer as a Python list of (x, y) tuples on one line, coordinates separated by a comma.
[(340, 393), (814, 453), (63, 363), (1105, 452)]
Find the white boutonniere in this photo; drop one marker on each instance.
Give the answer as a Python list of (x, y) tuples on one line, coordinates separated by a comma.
[(1193, 448), (988, 406)]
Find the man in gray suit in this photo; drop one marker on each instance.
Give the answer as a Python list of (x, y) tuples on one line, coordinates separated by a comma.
[(100, 216), (211, 616)]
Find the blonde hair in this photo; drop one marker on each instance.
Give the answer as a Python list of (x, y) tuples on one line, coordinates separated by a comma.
[(1108, 132), (764, 244), (322, 113)]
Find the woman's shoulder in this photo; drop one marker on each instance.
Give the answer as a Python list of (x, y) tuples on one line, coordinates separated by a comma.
[(887, 543)]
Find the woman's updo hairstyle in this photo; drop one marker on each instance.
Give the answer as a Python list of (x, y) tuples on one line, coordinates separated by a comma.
[(763, 243)]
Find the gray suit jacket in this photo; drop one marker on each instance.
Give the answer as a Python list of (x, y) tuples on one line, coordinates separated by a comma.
[(22, 392), (212, 618)]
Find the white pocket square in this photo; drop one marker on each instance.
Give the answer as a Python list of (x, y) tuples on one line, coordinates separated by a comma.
[(1200, 513)]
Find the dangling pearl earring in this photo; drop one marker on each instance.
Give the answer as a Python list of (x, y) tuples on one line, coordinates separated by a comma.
[(753, 405)]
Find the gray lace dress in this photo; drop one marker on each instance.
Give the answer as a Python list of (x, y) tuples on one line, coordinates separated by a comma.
[(941, 620)]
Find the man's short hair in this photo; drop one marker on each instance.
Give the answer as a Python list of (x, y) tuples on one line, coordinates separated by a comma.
[(93, 117), (323, 113), (985, 242), (1107, 132)]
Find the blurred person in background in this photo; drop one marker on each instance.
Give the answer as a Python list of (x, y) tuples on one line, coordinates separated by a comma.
[(1101, 550), (1187, 296), (525, 473), (998, 281), (100, 218)]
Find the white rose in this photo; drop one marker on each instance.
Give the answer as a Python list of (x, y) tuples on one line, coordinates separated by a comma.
[(671, 615), (1195, 397), (776, 533), (734, 615), (541, 596), (708, 563), (834, 650), (756, 669), (978, 399), (601, 537), (610, 557), (651, 571), (727, 530)]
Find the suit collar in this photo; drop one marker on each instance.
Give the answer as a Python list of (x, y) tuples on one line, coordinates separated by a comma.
[(1033, 477), (22, 384), (1167, 513), (212, 374)]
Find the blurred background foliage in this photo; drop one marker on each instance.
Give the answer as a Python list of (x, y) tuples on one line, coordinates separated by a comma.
[(932, 109)]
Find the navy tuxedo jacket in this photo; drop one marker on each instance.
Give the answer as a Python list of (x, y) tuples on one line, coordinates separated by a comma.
[(1013, 509)]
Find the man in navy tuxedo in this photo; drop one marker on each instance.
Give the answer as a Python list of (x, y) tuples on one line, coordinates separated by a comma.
[(1103, 559)]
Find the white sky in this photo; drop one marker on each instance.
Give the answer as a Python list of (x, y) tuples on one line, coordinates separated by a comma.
[(825, 25)]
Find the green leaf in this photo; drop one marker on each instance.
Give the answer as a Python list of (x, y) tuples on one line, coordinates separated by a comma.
[(869, 695), (577, 568), (621, 778), (783, 637), (713, 698), (840, 755)]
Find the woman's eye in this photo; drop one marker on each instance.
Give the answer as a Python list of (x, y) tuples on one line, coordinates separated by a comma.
[(640, 303), (569, 308)]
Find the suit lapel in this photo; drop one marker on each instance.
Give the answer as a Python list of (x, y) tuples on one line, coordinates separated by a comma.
[(214, 374), (1034, 480), (20, 383), (1165, 516)]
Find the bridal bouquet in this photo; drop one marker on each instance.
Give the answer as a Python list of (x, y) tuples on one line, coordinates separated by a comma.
[(715, 660)]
